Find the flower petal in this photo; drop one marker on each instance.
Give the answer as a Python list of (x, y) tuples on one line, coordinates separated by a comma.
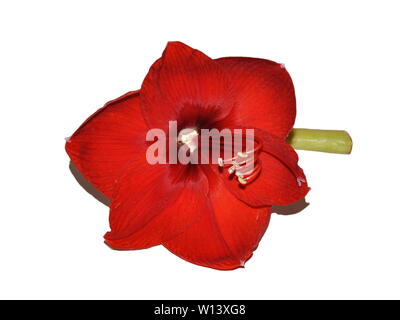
[(154, 203), (184, 78), (281, 180), (107, 141), (264, 92), (227, 233)]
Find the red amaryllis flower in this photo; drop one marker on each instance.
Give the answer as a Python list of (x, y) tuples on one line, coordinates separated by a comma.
[(198, 212)]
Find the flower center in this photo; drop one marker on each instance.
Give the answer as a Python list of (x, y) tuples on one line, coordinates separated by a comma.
[(189, 137)]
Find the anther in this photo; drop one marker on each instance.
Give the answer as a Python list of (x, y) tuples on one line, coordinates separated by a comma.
[(232, 169), (242, 180)]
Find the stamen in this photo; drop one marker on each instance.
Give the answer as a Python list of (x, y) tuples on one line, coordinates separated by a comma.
[(245, 164)]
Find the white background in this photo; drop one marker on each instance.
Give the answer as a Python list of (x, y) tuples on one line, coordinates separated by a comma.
[(61, 60)]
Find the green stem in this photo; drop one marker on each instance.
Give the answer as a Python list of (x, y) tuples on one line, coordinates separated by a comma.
[(332, 141)]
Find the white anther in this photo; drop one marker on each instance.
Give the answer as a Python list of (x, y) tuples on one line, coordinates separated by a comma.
[(232, 169)]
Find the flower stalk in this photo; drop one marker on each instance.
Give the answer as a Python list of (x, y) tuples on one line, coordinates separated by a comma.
[(331, 141)]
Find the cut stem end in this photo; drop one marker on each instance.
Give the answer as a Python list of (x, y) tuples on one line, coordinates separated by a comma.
[(331, 141)]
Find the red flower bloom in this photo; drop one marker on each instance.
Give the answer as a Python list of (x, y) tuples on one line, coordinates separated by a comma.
[(195, 211)]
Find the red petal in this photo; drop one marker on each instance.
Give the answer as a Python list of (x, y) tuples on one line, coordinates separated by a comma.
[(154, 203), (281, 180), (225, 236), (184, 78), (107, 140), (264, 92)]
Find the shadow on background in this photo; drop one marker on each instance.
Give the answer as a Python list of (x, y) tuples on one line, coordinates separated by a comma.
[(89, 188), (283, 210), (291, 208)]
